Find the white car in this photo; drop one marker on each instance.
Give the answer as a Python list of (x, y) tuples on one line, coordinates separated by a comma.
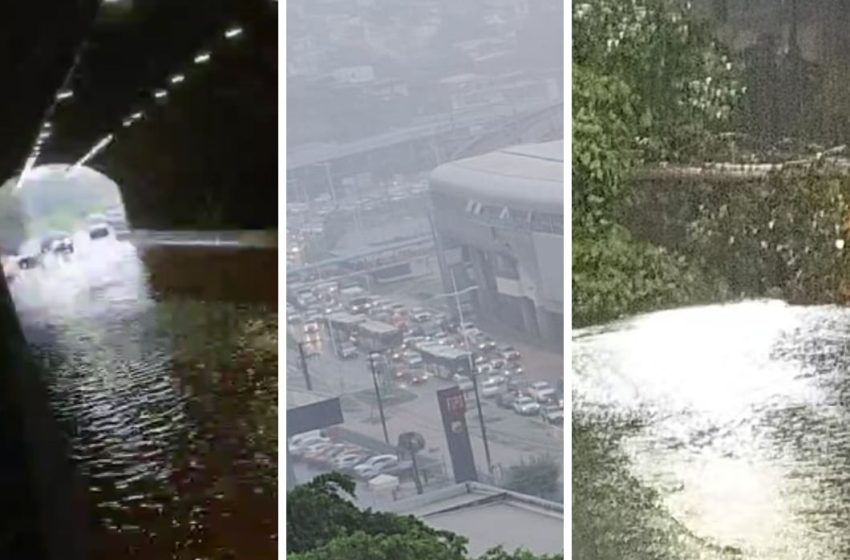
[(375, 465), (540, 390), (298, 445), (509, 353), (313, 449), (349, 460), (513, 370), (491, 387), (413, 359), (420, 315), (499, 364), (526, 406), (485, 369)]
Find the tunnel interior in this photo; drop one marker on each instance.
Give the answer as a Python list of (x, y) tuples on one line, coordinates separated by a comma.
[(201, 156)]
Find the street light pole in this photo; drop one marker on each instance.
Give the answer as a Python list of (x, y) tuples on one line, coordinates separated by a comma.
[(378, 397), (472, 372), (304, 367)]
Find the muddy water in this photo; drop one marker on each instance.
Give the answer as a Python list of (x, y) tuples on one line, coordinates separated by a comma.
[(737, 418), (169, 404)]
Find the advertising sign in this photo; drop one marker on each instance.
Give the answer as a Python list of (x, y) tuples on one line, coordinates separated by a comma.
[(453, 412)]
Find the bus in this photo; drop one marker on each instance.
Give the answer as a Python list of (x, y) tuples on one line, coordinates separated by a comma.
[(343, 326), (375, 336), (443, 361)]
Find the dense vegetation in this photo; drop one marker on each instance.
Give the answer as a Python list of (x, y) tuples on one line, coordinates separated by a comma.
[(779, 236), (651, 87), (649, 84), (538, 477), (322, 523)]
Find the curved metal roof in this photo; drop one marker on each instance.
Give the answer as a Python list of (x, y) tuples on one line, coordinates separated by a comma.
[(530, 176)]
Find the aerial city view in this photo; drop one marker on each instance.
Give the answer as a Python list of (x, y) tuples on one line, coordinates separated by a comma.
[(424, 295)]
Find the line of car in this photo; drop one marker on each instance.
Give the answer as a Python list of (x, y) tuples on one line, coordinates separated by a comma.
[(321, 451), (56, 243), (498, 367)]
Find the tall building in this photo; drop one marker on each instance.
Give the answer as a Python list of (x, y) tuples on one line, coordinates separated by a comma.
[(499, 223)]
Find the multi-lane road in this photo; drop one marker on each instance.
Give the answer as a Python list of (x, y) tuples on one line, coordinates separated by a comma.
[(512, 437)]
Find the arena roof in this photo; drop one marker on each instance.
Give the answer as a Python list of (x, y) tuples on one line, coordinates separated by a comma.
[(530, 176)]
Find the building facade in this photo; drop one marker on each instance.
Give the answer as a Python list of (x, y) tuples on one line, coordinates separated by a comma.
[(499, 223)]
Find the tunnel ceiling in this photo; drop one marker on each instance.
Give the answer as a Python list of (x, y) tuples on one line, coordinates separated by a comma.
[(112, 58)]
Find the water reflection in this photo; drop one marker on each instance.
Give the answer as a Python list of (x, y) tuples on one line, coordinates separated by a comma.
[(740, 419), (162, 405)]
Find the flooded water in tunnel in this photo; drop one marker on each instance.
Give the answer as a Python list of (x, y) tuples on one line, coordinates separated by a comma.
[(735, 419), (169, 403)]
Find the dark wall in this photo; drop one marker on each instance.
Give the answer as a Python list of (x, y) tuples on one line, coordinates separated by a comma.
[(41, 515)]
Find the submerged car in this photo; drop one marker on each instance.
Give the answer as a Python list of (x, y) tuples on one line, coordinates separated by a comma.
[(98, 231), (28, 261), (57, 243)]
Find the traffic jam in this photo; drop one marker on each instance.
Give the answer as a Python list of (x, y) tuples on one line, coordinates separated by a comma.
[(414, 345)]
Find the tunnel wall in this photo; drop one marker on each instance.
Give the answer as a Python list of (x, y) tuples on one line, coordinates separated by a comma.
[(207, 157), (214, 274), (43, 504)]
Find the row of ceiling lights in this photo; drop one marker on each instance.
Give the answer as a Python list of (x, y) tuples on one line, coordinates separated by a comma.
[(159, 95), (66, 93)]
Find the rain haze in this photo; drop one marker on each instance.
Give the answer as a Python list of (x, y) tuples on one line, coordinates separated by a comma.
[(425, 252)]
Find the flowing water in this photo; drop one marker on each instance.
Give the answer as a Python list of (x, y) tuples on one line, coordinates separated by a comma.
[(738, 418), (170, 412)]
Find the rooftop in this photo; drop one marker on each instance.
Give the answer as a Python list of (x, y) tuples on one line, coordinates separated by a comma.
[(490, 517), (377, 327), (527, 175)]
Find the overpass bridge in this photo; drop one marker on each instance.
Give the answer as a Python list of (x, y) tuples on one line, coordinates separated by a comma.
[(157, 95), (422, 146)]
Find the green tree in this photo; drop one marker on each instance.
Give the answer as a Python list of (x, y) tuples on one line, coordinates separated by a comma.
[(650, 85), (538, 477), (684, 83), (322, 523)]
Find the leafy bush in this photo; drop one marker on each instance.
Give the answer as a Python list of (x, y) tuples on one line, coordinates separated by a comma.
[(650, 84), (783, 236), (684, 83), (539, 477), (615, 275)]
